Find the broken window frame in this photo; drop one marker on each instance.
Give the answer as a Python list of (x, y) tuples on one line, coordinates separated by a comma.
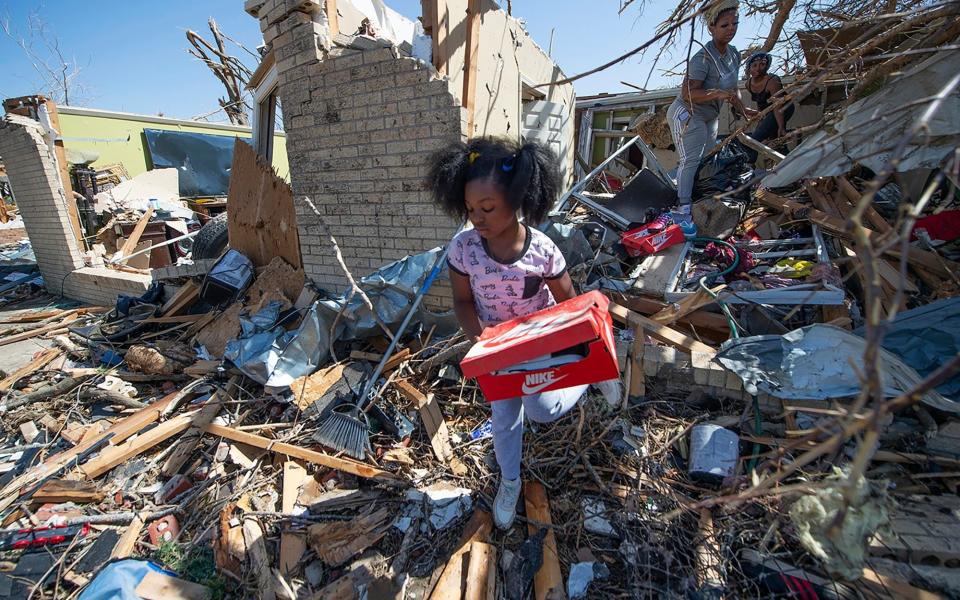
[(578, 193), (265, 98)]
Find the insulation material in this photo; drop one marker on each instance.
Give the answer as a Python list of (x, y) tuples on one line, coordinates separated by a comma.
[(149, 360), (842, 553)]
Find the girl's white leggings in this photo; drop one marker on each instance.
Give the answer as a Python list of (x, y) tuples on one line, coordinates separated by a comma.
[(507, 423)]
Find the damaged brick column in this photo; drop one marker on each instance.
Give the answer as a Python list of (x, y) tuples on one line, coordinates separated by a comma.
[(360, 124), (39, 194), (40, 197)]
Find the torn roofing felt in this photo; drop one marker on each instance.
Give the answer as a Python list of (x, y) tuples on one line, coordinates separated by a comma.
[(871, 127)]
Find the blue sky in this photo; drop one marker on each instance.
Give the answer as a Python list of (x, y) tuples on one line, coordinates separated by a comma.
[(133, 54)]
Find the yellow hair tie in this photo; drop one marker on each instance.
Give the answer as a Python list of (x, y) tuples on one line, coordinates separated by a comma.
[(473, 156)]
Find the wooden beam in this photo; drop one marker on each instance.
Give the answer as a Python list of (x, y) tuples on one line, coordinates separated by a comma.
[(57, 491), (660, 332), (26, 335), (188, 442), (131, 244), (649, 306), (45, 358), (435, 426), (72, 211), (638, 387), (471, 58), (185, 296), (838, 227), (450, 583), (481, 572), (440, 13), (128, 540), (333, 19), (259, 560), (117, 455), (292, 545), (350, 466), (548, 582)]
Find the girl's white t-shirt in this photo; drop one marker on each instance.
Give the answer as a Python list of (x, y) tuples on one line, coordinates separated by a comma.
[(507, 290)]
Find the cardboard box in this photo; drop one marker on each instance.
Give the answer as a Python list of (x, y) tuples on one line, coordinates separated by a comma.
[(559, 347), (642, 241)]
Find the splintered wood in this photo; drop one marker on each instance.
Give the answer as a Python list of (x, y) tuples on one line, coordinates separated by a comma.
[(435, 426), (338, 541)]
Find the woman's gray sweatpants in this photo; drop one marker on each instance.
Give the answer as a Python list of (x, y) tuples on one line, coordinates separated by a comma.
[(508, 422), (691, 135)]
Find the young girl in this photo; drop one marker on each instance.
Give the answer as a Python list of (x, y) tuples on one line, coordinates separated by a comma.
[(501, 269)]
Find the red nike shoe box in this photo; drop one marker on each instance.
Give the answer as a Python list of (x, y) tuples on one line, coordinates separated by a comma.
[(565, 345), (642, 241)]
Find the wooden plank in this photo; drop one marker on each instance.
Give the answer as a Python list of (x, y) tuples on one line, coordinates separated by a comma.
[(45, 358), (333, 19), (482, 572), (350, 466), (692, 303), (130, 245), (136, 422), (117, 455), (64, 167), (160, 586), (660, 332), (851, 193), (185, 296), (174, 319), (648, 306), (838, 227), (26, 335), (548, 582), (261, 220), (188, 442), (450, 584), (440, 11), (471, 59), (128, 540), (435, 426), (259, 560), (292, 545), (882, 587), (638, 387), (63, 490)]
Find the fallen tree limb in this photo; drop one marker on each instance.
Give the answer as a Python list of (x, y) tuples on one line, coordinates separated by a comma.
[(43, 393)]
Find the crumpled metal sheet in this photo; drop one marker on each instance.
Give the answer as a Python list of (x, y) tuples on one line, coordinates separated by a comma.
[(391, 290), (816, 362), (571, 242), (872, 126), (927, 337), (274, 357)]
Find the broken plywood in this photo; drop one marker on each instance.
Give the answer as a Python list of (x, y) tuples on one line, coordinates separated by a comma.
[(261, 220)]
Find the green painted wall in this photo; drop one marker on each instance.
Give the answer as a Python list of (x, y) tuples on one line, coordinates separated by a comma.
[(118, 137)]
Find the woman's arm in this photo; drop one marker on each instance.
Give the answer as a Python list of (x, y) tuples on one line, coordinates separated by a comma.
[(775, 86), (561, 287), (692, 93), (463, 305)]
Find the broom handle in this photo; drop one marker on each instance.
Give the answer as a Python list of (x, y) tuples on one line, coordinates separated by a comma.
[(427, 283)]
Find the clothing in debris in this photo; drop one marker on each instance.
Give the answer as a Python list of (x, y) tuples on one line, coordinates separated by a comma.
[(695, 128), (510, 289)]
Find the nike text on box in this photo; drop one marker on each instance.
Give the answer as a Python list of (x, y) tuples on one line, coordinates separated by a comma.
[(562, 346)]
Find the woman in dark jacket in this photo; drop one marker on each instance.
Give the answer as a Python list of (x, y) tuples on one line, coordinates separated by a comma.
[(762, 87)]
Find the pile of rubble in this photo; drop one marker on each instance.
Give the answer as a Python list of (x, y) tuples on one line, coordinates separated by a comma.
[(183, 428)]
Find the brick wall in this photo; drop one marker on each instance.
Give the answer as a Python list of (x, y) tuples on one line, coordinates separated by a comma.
[(36, 186), (35, 181), (360, 126)]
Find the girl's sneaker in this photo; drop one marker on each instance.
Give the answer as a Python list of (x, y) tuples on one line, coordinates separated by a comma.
[(505, 505)]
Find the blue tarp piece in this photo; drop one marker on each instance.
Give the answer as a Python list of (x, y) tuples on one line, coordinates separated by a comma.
[(119, 580), (926, 337)]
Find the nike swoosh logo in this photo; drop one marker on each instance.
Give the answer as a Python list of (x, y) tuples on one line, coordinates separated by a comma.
[(533, 389)]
